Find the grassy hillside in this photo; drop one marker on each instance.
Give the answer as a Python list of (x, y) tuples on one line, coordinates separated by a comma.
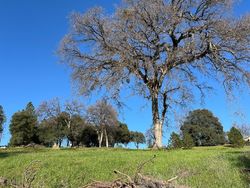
[(199, 167)]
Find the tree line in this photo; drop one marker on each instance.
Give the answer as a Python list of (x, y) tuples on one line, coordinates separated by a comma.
[(98, 125), (53, 124)]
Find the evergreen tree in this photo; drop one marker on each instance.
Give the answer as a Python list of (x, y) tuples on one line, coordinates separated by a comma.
[(23, 127), (235, 137), (204, 128), (175, 140), (30, 109)]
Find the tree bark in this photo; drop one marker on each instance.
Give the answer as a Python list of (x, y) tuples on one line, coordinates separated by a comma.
[(106, 139), (158, 134), (100, 136), (55, 145), (157, 123), (137, 145)]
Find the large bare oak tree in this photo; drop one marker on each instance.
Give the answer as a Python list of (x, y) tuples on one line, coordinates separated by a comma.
[(162, 49)]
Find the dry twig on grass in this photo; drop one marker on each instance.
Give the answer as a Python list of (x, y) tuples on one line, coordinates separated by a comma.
[(137, 181)]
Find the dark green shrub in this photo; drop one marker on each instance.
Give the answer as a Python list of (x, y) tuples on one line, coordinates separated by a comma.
[(235, 137)]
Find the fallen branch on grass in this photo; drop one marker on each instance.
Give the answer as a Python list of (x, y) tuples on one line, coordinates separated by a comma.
[(137, 181)]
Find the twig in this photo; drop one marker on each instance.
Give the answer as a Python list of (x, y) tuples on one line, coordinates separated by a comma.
[(172, 179), (140, 167), (127, 176)]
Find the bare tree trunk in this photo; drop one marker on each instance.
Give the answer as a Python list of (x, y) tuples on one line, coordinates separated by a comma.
[(68, 142), (100, 136), (157, 123), (137, 145), (158, 134), (106, 139), (55, 145)]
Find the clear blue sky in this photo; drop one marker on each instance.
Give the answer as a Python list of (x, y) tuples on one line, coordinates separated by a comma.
[(30, 31)]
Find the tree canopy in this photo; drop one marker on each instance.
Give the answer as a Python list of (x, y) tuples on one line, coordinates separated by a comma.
[(204, 128), (137, 138), (23, 127)]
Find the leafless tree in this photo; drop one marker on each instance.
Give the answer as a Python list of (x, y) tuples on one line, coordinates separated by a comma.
[(244, 129), (164, 50), (102, 115), (49, 109)]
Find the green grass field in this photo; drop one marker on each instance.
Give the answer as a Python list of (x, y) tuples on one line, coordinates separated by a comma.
[(199, 167)]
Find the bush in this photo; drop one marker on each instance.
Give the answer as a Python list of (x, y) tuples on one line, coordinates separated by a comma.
[(235, 137)]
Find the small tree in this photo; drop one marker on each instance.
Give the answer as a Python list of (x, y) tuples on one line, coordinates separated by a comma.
[(188, 142), (175, 141), (137, 138), (235, 137)]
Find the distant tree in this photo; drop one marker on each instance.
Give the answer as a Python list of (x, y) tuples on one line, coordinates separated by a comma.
[(30, 109), (52, 122), (175, 141), (102, 115), (204, 128), (75, 132), (74, 109), (235, 137), (89, 136), (2, 120), (46, 132), (62, 118), (53, 129), (244, 129), (137, 138), (23, 127), (121, 134), (187, 141)]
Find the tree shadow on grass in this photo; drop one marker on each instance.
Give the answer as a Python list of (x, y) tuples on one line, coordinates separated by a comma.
[(10, 153), (241, 159)]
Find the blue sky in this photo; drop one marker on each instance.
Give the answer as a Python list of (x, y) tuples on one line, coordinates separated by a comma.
[(30, 32)]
